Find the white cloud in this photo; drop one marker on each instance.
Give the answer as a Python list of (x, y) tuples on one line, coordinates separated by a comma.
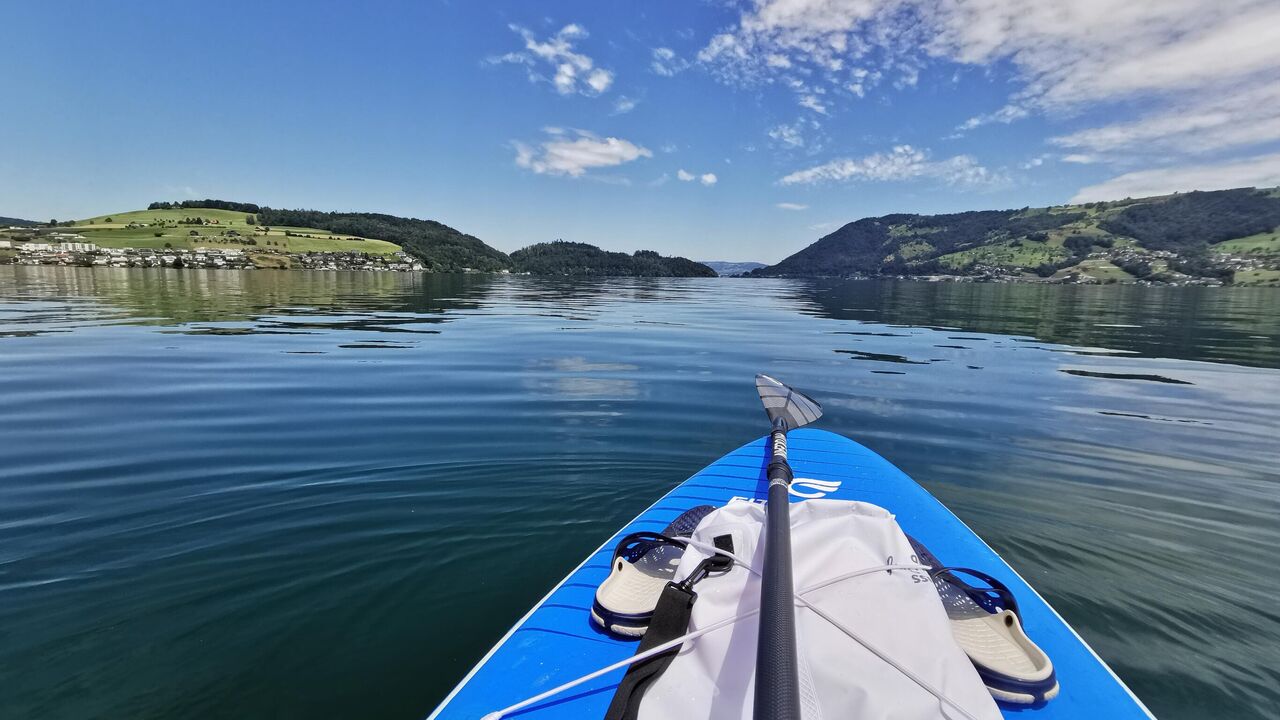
[(706, 178), (1204, 123), (787, 136), (791, 206), (660, 180), (599, 80), (667, 63), (813, 103), (823, 226), (1262, 171), (777, 60), (1005, 115), (555, 60), (574, 152), (902, 163), (624, 105), (789, 41), (804, 133), (1068, 52), (1186, 72), (1079, 159)]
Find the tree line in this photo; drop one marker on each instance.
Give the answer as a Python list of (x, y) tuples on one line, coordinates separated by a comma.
[(205, 204)]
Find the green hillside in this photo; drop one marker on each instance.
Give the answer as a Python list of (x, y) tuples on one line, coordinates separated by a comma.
[(218, 223), (1210, 235), (1267, 243), (190, 228)]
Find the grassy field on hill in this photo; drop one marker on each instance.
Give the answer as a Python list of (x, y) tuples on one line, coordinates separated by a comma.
[(1099, 269), (1266, 278), (1018, 253), (160, 228), (1260, 244)]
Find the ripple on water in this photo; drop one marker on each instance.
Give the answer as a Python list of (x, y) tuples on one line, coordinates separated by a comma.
[(218, 500)]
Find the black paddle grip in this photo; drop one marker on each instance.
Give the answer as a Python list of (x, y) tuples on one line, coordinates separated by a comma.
[(777, 677)]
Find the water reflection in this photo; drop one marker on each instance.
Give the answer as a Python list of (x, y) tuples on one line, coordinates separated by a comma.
[(166, 297), (1237, 325), (1124, 376), (881, 357)]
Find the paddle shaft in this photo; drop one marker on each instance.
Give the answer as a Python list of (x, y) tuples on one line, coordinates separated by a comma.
[(777, 677)]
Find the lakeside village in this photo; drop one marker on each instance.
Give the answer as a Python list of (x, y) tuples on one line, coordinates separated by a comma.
[(1080, 275), (1097, 262), (71, 249)]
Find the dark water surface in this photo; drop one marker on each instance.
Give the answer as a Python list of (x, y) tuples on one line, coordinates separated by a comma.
[(297, 495)]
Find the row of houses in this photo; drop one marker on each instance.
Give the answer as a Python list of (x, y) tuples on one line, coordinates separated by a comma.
[(93, 256), (72, 246), (83, 254), (351, 260)]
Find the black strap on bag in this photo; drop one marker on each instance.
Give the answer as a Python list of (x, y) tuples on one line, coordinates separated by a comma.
[(670, 621)]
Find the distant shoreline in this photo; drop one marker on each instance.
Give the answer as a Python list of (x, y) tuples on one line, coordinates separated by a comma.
[(316, 265)]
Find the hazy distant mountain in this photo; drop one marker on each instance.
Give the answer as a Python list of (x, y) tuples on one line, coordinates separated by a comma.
[(1170, 237), (725, 268), (15, 222), (580, 259)]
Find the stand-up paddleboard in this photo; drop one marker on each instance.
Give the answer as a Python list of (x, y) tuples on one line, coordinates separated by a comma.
[(556, 642)]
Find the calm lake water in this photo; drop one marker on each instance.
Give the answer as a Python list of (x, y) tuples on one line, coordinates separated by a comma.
[(297, 495)]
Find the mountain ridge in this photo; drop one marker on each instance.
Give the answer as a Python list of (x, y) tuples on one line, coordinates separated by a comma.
[(1198, 235)]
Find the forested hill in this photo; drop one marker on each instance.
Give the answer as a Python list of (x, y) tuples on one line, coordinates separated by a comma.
[(581, 259), (440, 247), (1197, 234), (15, 222)]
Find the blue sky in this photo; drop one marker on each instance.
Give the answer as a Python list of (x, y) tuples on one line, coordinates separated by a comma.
[(712, 129)]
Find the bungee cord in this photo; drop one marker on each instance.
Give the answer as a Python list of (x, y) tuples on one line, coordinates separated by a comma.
[(801, 601)]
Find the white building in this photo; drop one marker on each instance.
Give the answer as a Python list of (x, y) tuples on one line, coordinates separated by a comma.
[(77, 247)]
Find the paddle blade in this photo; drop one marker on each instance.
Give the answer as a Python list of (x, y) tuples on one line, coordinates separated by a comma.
[(786, 404)]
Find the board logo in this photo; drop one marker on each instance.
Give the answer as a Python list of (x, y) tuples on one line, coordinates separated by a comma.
[(810, 488)]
